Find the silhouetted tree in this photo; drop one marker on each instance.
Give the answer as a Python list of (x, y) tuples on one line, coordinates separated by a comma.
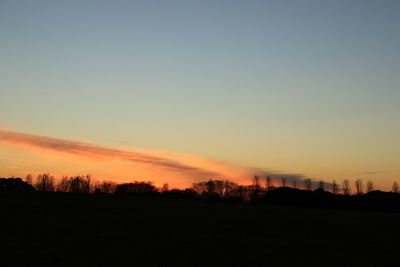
[(63, 184), (256, 182), (283, 182), (294, 183), (308, 184), (359, 187), (395, 187), (321, 185), (135, 188), (242, 192), (200, 188), (29, 179), (346, 187), (76, 184), (45, 183), (335, 187), (165, 188), (79, 184), (214, 187), (269, 183), (370, 186), (108, 187), (219, 187), (256, 188), (228, 188)]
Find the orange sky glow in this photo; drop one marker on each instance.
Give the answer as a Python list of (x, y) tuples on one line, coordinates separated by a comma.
[(36, 154)]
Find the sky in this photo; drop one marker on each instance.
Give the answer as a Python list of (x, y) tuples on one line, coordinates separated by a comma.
[(226, 89)]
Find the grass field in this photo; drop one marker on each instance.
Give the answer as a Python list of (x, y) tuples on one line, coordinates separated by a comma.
[(109, 230)]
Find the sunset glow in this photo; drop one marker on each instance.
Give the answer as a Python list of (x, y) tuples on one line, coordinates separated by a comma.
[(122, 165), (182, 91)]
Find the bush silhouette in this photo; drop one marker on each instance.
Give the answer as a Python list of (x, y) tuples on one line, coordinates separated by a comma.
[(136, 188), (15, 185)]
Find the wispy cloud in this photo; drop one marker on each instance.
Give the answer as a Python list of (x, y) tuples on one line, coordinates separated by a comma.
[(279, 174), (186, 168), (95, 151)]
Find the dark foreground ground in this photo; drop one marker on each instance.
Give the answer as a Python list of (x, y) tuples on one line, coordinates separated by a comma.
[(100, 230)]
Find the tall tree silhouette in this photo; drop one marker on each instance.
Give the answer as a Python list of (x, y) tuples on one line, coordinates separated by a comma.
[(346, 187), (108, 187), (228, 188), (256, 188), (222, 188), (283, 182), (256, 182), (29, 179), (395, 187), (308, 184), (370, 186), (359, 187), (165, 187), (269, 184), (321, 185), (63, 184), (335, 187), (45, 182), (80, 184), (76, 184)]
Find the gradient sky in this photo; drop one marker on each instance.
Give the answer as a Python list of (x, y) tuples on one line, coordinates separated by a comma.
[(298, 87)]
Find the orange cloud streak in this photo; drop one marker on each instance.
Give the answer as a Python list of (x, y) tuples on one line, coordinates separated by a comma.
[(120, 163), (183, 165)]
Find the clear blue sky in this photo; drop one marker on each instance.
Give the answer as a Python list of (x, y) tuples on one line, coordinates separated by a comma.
[(308, 87)]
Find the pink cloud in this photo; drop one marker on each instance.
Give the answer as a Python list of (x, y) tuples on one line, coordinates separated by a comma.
[(170, 161)]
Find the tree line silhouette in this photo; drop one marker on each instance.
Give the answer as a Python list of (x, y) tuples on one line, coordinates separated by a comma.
[(262, 191)]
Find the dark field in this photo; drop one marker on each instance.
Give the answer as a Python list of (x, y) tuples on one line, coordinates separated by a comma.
[(107, 230)]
